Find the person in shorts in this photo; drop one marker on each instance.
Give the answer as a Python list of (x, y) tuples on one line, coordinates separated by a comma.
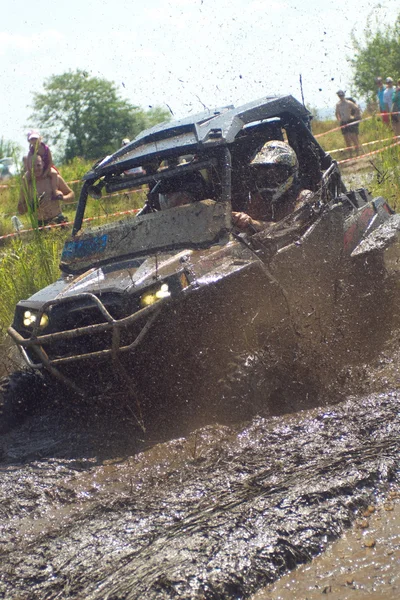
[(348, 114)]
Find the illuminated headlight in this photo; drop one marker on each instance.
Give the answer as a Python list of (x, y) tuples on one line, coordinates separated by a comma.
[(155, 295), (30, 319)]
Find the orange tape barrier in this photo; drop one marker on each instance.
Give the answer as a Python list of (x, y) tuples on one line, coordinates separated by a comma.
[(117, 214), (318, 135), (365, 144), (345, 160)]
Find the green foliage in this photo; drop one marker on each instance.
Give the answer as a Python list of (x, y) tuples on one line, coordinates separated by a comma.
[(75, 169), (376, 55), (87, 115), (26, 268), (9, 148)]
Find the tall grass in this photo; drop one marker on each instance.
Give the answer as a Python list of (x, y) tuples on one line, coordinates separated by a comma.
[(26, 267)]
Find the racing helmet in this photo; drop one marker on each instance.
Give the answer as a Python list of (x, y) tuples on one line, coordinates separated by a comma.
[(275, 169)]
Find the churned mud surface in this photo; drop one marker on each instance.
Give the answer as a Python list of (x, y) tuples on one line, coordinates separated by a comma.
[(363, 563), (90, 510)]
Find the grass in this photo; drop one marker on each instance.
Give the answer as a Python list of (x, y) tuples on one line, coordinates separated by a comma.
[(30, 262), (381, 170), (26, 268)]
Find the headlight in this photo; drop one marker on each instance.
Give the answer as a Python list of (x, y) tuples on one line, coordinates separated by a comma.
[(30, 319), (155, 295)]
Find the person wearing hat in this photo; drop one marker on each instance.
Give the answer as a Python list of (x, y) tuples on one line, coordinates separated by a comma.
[(347, 112), (388, 95), (38, 148)]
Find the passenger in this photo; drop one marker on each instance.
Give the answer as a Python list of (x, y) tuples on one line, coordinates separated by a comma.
[(39, 197), (276, 188), (135, 170)]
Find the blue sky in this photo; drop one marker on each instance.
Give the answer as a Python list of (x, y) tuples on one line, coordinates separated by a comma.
[(187, 54)]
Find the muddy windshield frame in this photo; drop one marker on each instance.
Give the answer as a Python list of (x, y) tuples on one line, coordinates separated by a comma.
[(218, 162)]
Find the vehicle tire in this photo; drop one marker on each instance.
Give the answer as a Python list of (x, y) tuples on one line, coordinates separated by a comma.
[(245, 388), (20, 394), (257, 385)]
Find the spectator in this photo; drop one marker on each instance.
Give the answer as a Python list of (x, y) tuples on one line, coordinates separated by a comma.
[(381, 103), (396, 110), (388, 95), (347, 112), (39, 148), (36, 195)]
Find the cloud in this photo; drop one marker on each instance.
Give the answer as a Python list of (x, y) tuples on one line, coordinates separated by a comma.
[(266, 5), (37, 41)]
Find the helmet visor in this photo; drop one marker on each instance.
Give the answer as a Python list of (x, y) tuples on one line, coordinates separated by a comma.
[(270, 178)]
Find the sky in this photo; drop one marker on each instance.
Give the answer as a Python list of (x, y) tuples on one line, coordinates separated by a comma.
[(184, 55)]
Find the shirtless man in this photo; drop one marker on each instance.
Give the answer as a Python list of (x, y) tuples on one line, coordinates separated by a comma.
[(37, 195), (348, 114)]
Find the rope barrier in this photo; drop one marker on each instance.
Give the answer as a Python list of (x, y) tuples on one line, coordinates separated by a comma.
[(345, 160), (365, 144), (66, 223), (318, 135)]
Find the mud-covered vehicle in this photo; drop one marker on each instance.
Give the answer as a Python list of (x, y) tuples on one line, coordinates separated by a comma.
[(187, 317)]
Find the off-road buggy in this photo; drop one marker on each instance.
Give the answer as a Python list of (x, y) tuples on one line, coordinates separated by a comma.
[(189, 319)]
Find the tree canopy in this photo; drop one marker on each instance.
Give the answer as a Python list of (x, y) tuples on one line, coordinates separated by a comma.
[(377, 54), (87, 115)]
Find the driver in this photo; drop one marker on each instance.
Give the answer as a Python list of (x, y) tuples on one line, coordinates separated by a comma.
[(172, 199), (275, 189)]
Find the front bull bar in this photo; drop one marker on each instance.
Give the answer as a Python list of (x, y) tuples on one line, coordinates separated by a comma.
[(36, 341)]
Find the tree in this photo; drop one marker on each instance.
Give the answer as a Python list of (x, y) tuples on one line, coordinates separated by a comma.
[(376, 55), (9, 148), (87, 115)]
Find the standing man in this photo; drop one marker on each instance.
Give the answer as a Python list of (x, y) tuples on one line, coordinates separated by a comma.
[(388, 95), (37, 196), (347, 113), (380, 90)]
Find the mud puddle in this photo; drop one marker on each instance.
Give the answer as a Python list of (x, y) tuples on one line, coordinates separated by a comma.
[(219, 514)]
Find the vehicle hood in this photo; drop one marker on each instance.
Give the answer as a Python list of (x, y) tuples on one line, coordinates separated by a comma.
[(199, 267)]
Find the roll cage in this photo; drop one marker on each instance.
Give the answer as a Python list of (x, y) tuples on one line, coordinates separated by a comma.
[(217, 144)]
